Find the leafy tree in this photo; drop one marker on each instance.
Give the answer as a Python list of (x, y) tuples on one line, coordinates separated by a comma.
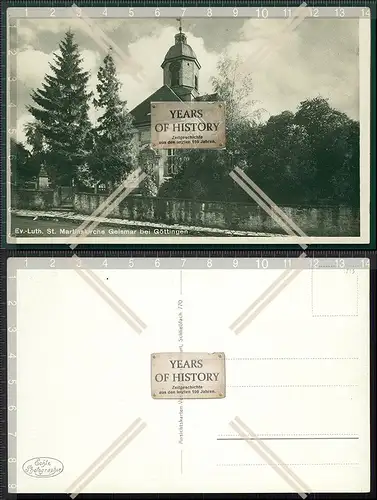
[(114, 154), (204, 174), (235, 89), (22, 167), (333, 142), (282, 159), (61, 115), (345, 180), (310, 157), (318, 117)]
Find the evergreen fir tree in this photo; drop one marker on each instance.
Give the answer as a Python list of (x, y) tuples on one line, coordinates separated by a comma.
[(61, 116), (114, 150)]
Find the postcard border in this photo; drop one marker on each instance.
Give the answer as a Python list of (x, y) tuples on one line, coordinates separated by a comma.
[(367, 177)]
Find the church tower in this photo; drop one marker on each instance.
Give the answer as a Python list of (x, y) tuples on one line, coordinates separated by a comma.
[(181, 68)]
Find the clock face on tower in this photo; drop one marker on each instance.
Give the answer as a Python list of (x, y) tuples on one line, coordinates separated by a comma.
[(174, 73)]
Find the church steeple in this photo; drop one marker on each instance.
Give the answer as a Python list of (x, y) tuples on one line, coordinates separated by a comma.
[(181, 68), (180, 37)]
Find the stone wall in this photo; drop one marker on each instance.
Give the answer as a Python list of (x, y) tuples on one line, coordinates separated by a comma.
[(33, 199), (320, 221)]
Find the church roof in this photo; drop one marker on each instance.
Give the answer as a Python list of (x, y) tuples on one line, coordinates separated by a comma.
[(142, 112), (180, 49), (208, 97)]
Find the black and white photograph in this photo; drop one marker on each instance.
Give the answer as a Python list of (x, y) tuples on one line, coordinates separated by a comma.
[(217, 128)]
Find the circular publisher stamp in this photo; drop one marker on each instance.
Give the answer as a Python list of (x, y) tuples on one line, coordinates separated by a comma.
[(43, 467)]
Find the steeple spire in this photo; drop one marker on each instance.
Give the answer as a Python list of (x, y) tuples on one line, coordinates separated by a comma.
[(181, 67), (180, 37)]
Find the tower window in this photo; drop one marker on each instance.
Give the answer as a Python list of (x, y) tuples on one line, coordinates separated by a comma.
[(171, 167), (174, 74), (196, 83)]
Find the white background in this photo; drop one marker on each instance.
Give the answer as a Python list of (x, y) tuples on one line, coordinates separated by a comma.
[(84, 376)]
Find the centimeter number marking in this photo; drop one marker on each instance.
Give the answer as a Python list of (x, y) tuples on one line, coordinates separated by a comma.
[(12, 375), (347, 264), (262, 263), (181, 12)]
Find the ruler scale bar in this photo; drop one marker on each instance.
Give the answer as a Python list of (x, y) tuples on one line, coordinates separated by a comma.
[(34, 220), (12, 267), (264, 11), (348, 264), (24, 282)]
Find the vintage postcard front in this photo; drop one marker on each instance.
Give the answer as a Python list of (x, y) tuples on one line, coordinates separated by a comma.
[(188, 375), (192, 125), (291, 414)]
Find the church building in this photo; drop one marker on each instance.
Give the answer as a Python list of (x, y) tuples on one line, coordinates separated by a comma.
[(180, 83)]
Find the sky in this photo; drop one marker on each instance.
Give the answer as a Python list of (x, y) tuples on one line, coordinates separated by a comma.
[(320, 57)]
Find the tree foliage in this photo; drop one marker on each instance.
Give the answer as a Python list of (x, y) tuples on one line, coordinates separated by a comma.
[(61, 118), (310, 157), (114, 154), (204, 174)]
